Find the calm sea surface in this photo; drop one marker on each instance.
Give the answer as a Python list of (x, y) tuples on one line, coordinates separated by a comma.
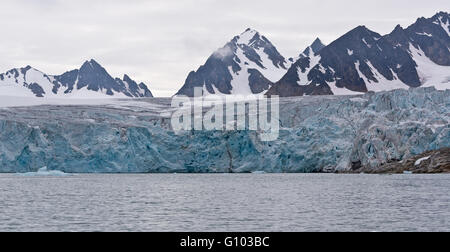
[(247, 202)]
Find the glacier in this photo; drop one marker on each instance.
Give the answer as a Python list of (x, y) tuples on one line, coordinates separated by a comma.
[(317, 134)]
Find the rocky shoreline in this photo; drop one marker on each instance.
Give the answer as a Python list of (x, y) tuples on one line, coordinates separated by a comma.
[(437, 161)]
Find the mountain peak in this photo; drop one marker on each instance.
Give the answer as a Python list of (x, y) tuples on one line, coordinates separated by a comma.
[(398, 28), (93, 61), (442, 13), (248, 37), (28, 67), (91, 64), (398, 34), (317, 45), (248, 64), (422, 20), (249, 31), (317, 41), (87, 63), (314, 48), (442, 18), (359, 29), (360, 32)]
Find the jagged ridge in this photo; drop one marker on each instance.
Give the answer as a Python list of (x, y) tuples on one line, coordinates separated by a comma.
[(362, 61), (91, 80)]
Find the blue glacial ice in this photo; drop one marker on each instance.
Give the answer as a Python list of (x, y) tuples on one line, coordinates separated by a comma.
[(318, 134)]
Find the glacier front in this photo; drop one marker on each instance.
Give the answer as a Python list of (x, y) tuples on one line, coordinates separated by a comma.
[(318, 134)]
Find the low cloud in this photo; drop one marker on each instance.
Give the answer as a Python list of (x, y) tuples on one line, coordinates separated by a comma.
[(224, 52)]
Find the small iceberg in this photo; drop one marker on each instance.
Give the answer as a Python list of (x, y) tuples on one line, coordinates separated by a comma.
[(407, 172), (44, 172), (258, 172)]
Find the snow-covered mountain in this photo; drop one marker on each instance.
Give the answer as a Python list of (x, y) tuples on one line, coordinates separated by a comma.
[(248, 64), (90, 81), (363, 60)]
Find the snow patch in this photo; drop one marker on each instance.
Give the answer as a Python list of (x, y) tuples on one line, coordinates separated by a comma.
[(424, 34), (216, 91), (303, 76), (365, 42), (272, 72), (419, 161), (341, 91), (383, 84), (360, 74), (240, 83), (269, 70), (430, 73), (445, 25), (247, 36)]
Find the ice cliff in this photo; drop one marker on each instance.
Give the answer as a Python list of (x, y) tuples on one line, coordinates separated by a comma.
[(318, 134)]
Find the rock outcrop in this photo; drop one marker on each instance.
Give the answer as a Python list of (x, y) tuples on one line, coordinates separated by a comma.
[(437, 161)]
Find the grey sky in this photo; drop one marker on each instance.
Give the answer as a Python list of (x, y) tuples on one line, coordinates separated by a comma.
[(160, 41)]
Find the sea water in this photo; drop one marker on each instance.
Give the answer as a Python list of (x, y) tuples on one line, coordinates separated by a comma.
[(225, 202)]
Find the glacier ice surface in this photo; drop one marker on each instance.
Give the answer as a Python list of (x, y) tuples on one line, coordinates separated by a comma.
[(318, 134)]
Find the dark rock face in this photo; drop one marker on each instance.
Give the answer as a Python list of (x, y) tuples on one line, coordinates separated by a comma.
[(37, 90), (247, 54), (213, 73), (68, 80), (363, 57), (258, 83), (437, 161)]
